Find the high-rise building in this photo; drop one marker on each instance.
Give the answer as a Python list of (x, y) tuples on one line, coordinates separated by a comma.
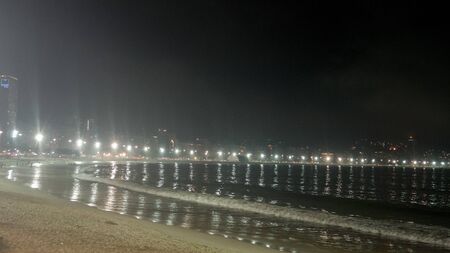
[(8, 105)]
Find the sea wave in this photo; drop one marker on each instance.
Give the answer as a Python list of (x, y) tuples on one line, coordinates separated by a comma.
[(433, 235)]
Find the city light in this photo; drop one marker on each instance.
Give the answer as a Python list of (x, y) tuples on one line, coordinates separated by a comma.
[(404, 162), (276, 157), (339, 159), (79, 143), (249, 155), (129, 148), (191, 152), (316, 158), (234, 154), (290, 157), (146, 149), (303, 157), (97, 145), (162, 150), (177, 151), (39, 137), (220, 153), (114, 145), (328, 158), (14, 133), (262, 156)]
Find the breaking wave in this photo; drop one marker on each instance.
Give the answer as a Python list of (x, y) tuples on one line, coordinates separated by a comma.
[(434, 235)]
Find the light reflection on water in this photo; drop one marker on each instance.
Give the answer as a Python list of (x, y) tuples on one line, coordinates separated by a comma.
[(426, 188), (264, 183)]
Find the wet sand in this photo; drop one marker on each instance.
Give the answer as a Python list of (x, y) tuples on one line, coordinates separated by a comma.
[(32, 221)]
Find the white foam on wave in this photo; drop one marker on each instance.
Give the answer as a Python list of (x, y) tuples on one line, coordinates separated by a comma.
[(434, 235)]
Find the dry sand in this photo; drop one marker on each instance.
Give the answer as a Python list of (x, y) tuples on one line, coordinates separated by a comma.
[(32, 221)]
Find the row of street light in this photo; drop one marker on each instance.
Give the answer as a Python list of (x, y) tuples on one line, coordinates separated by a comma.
[(39, 138)]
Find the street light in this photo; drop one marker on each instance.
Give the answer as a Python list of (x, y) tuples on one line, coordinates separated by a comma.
[(219, 153), (162, 150), (14, 133), (129, 148), (97, 145), (114, 145), (39, 137), (177, 151), (79, 143)]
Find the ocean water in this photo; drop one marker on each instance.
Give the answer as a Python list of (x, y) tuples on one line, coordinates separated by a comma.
[(369, 197)]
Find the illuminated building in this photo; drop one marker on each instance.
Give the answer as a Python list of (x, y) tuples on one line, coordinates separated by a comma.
[(8, 106)]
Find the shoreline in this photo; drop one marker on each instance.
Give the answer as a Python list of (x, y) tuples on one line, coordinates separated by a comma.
[(27, 161), (200, 242), (34, 221)]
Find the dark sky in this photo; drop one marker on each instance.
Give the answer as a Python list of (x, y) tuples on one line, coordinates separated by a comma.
[(306, 73)]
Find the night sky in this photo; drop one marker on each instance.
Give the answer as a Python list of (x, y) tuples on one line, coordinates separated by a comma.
[(305, 73)]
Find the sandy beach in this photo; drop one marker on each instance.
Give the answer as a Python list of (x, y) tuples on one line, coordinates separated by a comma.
[(32, 221)]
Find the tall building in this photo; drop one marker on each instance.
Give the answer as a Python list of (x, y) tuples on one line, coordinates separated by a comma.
[(8, 106)]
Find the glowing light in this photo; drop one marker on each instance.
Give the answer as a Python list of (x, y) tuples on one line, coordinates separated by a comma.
[(276, 157), (97, 145), (249, 155), (191, 152), (290, 157), (339, 159), (316, 158), (351, 159), (262, 156), (162, 150), (434, 163), (404, 162), (303, 157), (79, 143), (234, 154), (442, 163), (146, 149), (39, 137), (328, 158), (177, 151), (414, 162), (14, 133), (373, 160), (114, 145), (220, 153), (129, 148)]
